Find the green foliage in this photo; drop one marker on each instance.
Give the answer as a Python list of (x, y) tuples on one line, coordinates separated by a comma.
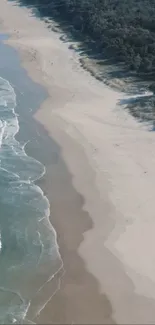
[(122, 29)]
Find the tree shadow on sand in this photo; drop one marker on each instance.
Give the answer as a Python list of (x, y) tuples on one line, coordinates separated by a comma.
[(104, 67), (100, 66)]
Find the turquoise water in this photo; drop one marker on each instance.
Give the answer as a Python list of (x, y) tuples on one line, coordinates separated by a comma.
[(28, 250)]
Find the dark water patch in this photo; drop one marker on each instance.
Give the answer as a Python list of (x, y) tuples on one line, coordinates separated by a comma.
[(28, 240), (104, 65), (47, 151), (70, 203)]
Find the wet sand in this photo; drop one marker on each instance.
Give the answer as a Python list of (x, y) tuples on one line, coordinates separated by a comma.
[(76, 297), (78, 300), (100, 182)]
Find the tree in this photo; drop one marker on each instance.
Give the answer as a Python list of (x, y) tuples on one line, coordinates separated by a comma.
[(121, 29)]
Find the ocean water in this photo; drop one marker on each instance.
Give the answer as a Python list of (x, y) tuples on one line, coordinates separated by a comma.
[(29, 255)]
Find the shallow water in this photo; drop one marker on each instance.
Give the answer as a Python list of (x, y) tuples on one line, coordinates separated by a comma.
[(29, 254)]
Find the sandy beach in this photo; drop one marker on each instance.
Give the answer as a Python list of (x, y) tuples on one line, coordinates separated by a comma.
[(101, 188)]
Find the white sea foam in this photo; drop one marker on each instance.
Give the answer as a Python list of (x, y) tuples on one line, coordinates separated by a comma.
[(0, 243), (2, 130), (9, 127), (3, 102)]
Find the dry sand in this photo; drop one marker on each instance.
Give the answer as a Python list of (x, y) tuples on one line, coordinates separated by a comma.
[(111, 159)]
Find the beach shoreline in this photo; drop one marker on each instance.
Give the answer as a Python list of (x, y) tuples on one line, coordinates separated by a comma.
[(102, 201), (79, 301)]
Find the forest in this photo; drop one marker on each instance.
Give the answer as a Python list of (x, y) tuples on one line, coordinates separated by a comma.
[(123, 30)]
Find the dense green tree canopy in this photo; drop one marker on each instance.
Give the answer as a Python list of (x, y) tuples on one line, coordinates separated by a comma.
[(121, 29)]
